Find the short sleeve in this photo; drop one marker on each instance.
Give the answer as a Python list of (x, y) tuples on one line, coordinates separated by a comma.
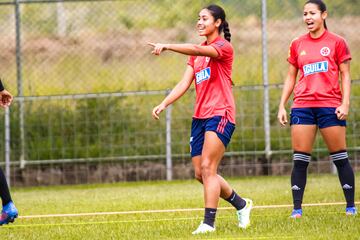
[(191, 61), (223, 48), (342, 52), (292, 56)]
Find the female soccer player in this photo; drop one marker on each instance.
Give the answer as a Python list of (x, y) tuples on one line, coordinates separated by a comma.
[(210, 66), (320, 56), (9, 211)]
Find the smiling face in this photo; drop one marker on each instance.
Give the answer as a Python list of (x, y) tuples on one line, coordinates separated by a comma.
[(314, 18), (206, 24)]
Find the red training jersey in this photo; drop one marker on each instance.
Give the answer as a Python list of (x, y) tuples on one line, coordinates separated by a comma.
[(318, 61), (213, 82)]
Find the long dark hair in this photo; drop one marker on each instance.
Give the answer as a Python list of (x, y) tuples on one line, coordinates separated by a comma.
[(321, 5), (218, 13)]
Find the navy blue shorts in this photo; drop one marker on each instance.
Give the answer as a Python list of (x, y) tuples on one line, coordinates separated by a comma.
[(322, 116), (219, 124)]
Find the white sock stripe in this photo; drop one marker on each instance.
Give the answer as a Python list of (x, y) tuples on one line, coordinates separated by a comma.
[(301, 160), (339, 156), (301, 157)]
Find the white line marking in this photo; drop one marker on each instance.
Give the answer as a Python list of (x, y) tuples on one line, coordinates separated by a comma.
[(126, 221), (171, 210)]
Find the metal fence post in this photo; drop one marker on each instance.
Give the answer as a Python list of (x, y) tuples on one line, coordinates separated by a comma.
[(61, 19), (7, 145), (169, 170), (266, 83), (19, 81)]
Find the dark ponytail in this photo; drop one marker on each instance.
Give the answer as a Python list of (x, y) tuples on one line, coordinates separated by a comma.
[(218, 13), (321, 5), (226, 30)]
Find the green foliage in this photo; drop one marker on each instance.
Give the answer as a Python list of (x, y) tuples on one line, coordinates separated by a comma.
[(37, 19), (104, 47), (122, 126), (104, 51)]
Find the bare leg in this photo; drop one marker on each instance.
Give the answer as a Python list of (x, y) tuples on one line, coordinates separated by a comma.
[(334, 137), (225, 191), (213, 151), (303, 137)]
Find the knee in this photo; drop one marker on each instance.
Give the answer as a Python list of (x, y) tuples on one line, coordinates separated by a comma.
[(207, 170)]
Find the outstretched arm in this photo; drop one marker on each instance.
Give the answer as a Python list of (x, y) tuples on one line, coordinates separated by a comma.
[(176, 93), (287, 90), (343, 110), (186, 48)]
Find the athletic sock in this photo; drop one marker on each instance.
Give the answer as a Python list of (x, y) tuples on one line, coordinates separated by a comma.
[(346, 175), (298, 177), (236, 201), (210, 214), (4, 189)]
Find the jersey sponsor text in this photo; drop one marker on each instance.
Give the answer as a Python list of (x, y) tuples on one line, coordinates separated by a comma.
[(203, 75), (315, 68)]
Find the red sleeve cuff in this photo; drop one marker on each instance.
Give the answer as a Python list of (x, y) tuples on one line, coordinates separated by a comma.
[(344, 58), (292, 62)]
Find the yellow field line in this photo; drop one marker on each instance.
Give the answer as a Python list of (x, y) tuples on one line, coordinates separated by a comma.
[(170, 210)]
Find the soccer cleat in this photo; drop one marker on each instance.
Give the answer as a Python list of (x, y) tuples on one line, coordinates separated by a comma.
[(296, 213), (244, 214), (351, 211), (8, 213), (203, 228)]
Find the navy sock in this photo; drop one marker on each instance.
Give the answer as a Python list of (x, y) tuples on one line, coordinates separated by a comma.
[(298, 177), (4, 189), (236, 201), (346, 175), (210, 214)]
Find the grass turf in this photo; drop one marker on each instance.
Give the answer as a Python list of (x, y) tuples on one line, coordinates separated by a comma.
[(318, 222)]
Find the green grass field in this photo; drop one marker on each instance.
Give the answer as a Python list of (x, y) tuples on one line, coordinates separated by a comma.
[(319, 222)]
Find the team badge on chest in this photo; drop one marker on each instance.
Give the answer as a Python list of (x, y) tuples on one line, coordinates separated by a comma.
[(325, 51)]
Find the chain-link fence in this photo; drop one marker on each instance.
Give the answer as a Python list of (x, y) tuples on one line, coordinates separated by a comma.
[(72, 48), (69, 47), (112, 137)]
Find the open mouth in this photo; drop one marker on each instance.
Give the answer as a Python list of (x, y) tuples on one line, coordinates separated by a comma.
[(310, 24)]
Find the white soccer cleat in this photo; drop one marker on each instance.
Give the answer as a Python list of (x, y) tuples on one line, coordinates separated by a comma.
[(203, 228), (244, 214)]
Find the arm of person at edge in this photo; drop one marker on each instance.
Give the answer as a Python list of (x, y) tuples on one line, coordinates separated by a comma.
[(343, 110), (176, 93), (288, 88), (5, 97), (186, 48)]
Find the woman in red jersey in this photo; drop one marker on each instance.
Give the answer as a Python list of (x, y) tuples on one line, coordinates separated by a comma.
[(209, 66), (320, 56)]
